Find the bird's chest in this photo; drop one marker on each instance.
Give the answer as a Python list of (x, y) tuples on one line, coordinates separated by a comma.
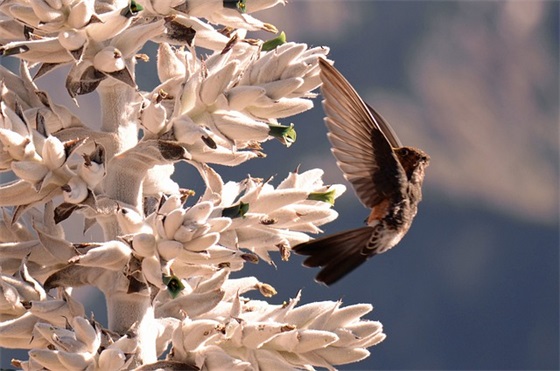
[(395, 214), (390, 221)]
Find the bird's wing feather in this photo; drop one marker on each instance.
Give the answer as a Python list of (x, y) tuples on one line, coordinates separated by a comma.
[(385, 128), (337, 254), (362, 150)]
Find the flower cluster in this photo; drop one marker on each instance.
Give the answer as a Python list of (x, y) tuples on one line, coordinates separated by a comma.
[(232, 101), (163, 266)]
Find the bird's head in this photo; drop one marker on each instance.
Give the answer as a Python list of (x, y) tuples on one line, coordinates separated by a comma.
[(414, 161)]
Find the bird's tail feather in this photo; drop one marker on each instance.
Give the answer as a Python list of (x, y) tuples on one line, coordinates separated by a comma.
[(337, 254)]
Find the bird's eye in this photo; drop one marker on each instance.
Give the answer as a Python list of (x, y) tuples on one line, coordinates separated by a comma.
[(405, 151)]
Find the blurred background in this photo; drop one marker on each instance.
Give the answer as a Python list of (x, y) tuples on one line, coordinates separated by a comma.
[(475, 282)]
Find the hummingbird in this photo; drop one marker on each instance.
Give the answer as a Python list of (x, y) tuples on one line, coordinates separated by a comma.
[(386, 176)]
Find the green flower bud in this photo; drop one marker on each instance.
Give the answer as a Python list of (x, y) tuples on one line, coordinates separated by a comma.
[(236, 211), (174, 285), (132, 9), (285, 134), (323, 196), (274, 43), (235, 4)]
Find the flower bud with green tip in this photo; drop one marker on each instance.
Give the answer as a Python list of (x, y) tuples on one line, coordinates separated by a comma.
[(285, 134), (327, 197), (236, 4), (132, 9), (174, 285), (274, 43), (236, 211)]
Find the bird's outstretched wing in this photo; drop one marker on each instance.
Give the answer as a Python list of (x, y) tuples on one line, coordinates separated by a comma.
[(363, 151), (385, 128)]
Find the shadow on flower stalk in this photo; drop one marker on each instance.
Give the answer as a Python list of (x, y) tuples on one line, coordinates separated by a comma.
[(163, 268)]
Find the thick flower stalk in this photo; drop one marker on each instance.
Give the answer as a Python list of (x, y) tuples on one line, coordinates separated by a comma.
[(163, 266)]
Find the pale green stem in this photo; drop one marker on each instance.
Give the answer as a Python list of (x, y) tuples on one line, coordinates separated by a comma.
[(119, 117), (119, 108), (134, 311), (126, 311)]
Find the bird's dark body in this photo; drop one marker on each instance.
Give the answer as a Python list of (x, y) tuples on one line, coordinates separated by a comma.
[(386, 176)]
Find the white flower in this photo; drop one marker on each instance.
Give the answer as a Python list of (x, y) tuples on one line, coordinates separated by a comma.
[(257, 334), (80, 346), (232, 101), (230, 13), (268, 219), (163, 264)]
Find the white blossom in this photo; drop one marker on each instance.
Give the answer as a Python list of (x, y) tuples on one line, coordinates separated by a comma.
[(162, 264)]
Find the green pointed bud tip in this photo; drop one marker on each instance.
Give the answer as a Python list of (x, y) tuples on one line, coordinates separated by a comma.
[(132, 9), (285, 134), (243, 208), (239, 5), (135, 7), (323, 196), (236, 211), (274, 43), (174, 285)]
